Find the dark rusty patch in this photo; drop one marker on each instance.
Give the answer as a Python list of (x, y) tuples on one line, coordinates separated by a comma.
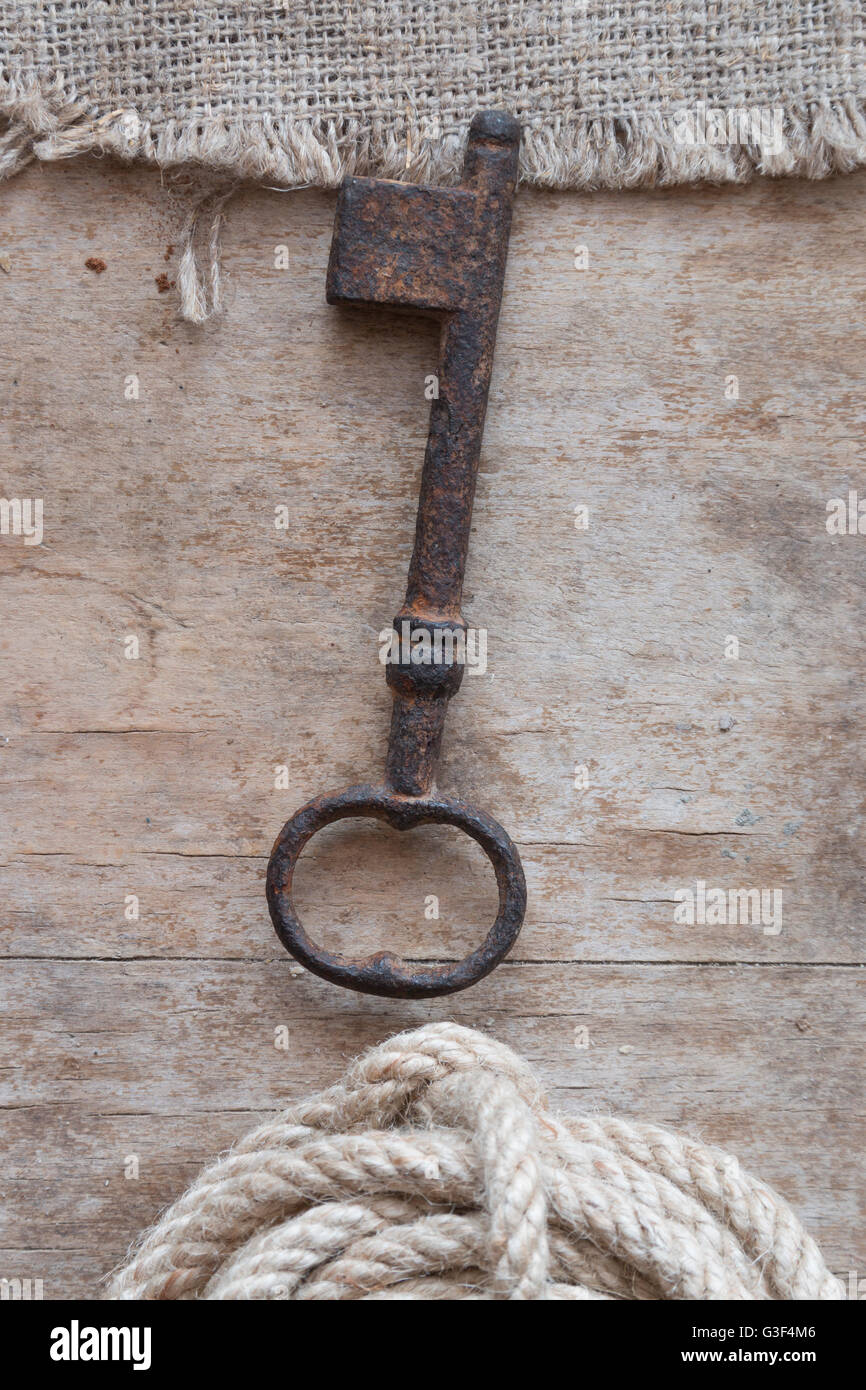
[(96, 264), (440, 252)]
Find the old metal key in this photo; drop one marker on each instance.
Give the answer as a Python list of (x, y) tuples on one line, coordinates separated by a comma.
[(442, 252)]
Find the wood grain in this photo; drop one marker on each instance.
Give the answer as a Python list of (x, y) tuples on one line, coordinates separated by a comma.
[(606, 647)]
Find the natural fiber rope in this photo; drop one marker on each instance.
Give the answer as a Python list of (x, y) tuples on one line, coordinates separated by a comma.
[(434, 1170)]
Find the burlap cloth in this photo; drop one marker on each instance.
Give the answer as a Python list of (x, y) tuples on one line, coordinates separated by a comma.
[(610, 93)]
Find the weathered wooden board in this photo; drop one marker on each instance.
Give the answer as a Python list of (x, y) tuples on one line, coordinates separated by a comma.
[(258, 648)]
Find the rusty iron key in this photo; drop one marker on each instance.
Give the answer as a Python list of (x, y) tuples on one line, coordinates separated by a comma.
[(437, 251)]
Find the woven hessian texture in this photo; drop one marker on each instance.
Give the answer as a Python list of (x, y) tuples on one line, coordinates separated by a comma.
[(609, 94), (436, 1171)]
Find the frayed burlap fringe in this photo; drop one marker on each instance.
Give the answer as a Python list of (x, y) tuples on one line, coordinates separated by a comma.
[(436, 1171), (640, 150)]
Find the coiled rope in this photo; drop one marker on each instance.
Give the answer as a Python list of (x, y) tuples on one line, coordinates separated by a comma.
[(434, 1170)]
